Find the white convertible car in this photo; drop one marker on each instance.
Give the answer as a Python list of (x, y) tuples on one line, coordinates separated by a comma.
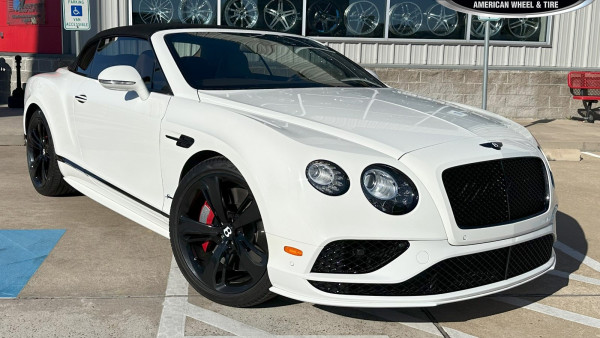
[(278, 166)]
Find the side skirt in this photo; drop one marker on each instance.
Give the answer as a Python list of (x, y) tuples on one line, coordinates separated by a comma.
[(118, 200)]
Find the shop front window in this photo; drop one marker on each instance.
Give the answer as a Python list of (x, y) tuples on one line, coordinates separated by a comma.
[(165, 11), (511, 29), (350, 20)]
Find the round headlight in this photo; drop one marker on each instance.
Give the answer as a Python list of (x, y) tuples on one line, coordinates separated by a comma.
[(389, 190), (327, 177)]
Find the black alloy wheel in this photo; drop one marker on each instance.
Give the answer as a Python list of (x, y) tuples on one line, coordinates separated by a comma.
[(217, 235), (42, 160)]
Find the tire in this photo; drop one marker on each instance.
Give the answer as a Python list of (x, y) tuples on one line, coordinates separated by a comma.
[(42, 160), (223, 258), (590, 117)]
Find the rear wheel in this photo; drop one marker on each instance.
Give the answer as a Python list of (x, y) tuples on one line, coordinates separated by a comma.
[(42, 160), (217, 235)]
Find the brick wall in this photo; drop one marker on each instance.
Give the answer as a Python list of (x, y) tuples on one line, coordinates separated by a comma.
[(515, 94), (30, 65)]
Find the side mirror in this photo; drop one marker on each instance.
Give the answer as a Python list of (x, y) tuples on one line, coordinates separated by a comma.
[(123, 78), (372, 72)]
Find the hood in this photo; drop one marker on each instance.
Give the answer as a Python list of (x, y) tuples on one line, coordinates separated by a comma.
[(386, 119)]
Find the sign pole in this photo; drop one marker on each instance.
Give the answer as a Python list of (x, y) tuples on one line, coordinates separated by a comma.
[(76, 42), (486, 55)]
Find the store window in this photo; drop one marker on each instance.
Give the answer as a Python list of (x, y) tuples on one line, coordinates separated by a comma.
[(274, 15), (343, 18), (350, 20), (164, 11), (511, 29)]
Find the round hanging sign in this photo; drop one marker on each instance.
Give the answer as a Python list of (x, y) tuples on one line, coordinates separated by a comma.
[(515, 8)]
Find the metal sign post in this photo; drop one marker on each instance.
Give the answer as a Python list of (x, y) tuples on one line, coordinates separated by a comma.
[(76, 17), (486, 56)]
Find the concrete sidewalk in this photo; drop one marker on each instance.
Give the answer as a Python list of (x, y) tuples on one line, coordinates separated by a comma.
[(11, 126), (560, 139)]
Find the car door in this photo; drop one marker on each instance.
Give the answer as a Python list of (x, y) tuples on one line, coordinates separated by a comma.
[(118, 132)]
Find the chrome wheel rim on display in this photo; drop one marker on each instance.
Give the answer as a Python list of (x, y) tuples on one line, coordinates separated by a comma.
[(324, 16), (156, 11), (441, 21), (405, 18), (523, 28), (478, 27), (280, 15), (361, 18), (195, 11), (241, 13)]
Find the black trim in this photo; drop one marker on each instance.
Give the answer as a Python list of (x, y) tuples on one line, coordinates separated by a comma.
[(112, 186), (183, 141)]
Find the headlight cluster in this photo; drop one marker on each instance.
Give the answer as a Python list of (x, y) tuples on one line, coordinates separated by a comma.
[(327, 177), (389, 190), (385, 187)]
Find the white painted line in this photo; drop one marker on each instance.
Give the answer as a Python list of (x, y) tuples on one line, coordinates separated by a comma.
[(590, 154), (172, 319), (573, 276), (421, 324), (592, 263), (551, 311), (222, 322)]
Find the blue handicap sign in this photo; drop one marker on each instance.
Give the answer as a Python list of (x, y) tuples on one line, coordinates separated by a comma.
[(77, 10), (21, 254)]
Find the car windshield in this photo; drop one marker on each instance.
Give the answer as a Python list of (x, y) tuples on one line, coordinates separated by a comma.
[(227, 61)]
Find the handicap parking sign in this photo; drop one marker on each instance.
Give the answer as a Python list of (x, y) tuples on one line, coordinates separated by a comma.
[(76, 10), (76, 15)]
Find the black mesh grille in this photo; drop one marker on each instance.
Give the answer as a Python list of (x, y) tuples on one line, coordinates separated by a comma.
[(457, 273), (352, 256), (496, 192)]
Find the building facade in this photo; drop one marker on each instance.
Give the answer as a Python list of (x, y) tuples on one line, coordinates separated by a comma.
[(418, 46)]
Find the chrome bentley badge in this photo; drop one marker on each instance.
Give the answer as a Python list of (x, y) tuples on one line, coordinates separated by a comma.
[(493, 145)]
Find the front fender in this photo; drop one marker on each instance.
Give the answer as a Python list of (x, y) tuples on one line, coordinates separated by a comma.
[(50, 92)]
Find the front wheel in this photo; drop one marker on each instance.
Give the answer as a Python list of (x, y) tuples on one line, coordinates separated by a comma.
[(217, 235)]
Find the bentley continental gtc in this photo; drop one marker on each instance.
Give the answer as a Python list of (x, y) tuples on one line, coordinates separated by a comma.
[(276, 165)]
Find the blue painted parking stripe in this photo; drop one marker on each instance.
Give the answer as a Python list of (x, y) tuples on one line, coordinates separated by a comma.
[(21, 254)]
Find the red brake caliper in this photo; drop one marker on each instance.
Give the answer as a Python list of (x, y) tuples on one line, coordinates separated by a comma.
[(206, 217)]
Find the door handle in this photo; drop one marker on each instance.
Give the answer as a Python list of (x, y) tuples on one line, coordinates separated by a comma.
[(81, 98)]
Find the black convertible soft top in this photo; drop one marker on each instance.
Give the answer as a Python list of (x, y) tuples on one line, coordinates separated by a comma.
[(147, 30)]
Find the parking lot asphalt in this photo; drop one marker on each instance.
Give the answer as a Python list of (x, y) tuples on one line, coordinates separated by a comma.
[(108, 276)]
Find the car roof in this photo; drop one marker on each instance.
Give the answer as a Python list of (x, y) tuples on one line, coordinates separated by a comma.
[(145, 31)]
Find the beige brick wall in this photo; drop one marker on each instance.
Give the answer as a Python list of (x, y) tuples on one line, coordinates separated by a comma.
[(515, 94)]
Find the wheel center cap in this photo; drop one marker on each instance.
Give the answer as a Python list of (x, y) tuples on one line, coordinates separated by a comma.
[(227, 232)]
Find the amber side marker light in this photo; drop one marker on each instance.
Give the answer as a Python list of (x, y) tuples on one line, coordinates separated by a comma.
[(292, 251)]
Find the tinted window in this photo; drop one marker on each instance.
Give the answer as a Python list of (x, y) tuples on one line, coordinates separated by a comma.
[(84, 60), (119, 51), (253, 60), (124, 51)]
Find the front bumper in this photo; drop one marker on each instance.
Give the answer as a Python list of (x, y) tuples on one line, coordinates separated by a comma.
[(290, 275)]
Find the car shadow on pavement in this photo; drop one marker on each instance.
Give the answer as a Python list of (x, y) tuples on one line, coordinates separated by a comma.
[(539, 122), (569, 232)]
